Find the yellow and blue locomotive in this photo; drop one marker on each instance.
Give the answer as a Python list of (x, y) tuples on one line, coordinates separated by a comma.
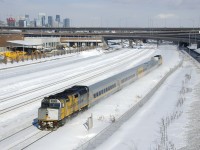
[(55, 108)]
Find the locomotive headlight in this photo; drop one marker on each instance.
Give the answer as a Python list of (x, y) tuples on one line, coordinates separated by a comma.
[(46, 112), (51, 124)]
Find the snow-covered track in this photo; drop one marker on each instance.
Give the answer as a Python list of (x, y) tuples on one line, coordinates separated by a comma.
[(98, 71), (21, 141), (33, 139), (11, 97), (102, 136), (6, 138)]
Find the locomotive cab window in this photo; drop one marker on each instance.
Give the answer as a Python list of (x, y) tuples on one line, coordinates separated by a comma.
[(76, 95), (45, 104), (54, 105), (67, 99)]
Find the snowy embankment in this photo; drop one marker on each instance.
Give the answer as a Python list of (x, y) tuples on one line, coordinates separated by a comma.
[(47, 59), (74, 133), (17, 80), (162, 120)]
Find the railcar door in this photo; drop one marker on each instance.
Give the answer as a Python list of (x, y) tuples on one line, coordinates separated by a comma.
[(75, 103), (140, 72)]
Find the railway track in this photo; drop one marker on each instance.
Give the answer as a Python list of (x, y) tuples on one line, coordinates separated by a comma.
[(30, 141), (1, 140), (23, 138), (6, 99), (39, 135), (106, 69)]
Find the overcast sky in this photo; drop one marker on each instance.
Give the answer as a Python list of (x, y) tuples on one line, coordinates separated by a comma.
[(115, 13)]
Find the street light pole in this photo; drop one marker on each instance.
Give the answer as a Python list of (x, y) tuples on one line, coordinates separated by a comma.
[(189, 43)]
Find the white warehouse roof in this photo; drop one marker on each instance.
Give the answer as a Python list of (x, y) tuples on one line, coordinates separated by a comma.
[(24, 43)]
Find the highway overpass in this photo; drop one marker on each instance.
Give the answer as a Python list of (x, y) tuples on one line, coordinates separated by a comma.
[(185, 35)]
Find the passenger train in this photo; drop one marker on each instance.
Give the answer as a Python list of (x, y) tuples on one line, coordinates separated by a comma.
[(55, 109)]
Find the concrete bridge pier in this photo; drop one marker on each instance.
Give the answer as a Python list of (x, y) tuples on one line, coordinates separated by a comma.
[(144, 40), (157, 43), (88, 44), (131, 43), (122, 44), (136, 42), (95, 44), (71, 44), (198, 45), (105, 43), (183, 44)]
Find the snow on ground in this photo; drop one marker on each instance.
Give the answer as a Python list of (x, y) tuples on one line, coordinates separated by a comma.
[(74, 134), (27, 78), (142, 130), (13, 81), (88, 53)]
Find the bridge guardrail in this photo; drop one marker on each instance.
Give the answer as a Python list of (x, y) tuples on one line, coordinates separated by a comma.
[(196, 63)]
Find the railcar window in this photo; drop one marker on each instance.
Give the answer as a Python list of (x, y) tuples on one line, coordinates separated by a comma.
[(104, 90), (127, 78)]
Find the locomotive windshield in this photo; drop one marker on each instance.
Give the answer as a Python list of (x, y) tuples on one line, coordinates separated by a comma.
[(50, 103), (54, 105)]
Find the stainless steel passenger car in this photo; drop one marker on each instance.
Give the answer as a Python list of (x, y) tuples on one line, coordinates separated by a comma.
[(113, 84)]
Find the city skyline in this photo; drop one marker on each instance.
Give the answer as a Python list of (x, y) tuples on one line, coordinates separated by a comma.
[(42, 20), (116, 13)]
